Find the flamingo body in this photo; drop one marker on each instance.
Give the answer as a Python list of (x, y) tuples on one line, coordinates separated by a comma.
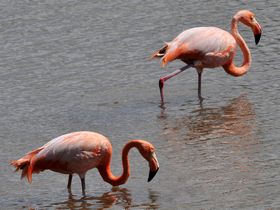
[(78, 152), (73, 153), (205, 47)]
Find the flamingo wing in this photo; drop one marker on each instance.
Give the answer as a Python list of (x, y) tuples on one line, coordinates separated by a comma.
[(198, 43)]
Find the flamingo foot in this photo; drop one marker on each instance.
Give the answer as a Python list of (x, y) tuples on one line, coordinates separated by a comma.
[(200, 98)]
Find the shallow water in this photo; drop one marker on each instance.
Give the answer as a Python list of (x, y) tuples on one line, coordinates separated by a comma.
[(67, 66)]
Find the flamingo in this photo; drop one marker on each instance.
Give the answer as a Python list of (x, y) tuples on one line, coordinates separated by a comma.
[(78, 152), (209, 47)]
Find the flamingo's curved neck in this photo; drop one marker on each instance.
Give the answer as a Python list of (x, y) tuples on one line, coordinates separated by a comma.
[(105, 169), (230, 67)]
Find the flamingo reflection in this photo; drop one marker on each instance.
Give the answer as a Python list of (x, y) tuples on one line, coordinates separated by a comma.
[(237, 118), (117, 197)]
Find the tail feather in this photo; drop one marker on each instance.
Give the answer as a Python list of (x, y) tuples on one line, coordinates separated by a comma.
[(160, 53), (25, 165), (167, 53), (21, 164)]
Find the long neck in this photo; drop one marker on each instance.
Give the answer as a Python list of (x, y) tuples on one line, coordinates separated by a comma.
[(230, 67), (105, 170)]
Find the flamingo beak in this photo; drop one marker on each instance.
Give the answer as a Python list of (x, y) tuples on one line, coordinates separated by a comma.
[(257, 38), (154, 166), (152, 174), (257, 29)]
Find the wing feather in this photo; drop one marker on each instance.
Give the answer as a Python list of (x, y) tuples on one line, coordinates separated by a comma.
[(206, 39), (196, 43)]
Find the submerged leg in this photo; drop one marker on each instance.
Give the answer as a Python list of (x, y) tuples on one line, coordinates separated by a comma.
[(163, 79), (199, 72), (69, 181)]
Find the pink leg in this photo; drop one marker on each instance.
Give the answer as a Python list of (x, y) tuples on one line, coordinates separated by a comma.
[(163, 79)]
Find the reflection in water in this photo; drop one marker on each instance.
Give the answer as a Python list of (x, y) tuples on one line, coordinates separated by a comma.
[(152, 204), (217, 151), (235, 118), (120, 197), (117, 196)]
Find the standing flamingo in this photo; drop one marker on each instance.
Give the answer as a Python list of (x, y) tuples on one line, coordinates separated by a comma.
[(81, 151), (209, 47)]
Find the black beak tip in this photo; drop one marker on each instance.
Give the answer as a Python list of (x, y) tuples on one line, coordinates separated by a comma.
[(257, 38), (152, 174)]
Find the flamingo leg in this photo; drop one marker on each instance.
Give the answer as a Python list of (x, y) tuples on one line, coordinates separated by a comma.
[(163, 79), (69, 181), (83, 184), (199, 72)]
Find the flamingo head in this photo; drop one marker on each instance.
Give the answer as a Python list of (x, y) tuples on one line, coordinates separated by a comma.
[(147, 150), (248, 18)]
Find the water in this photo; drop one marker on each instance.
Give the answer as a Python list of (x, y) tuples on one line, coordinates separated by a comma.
[(68, 66)]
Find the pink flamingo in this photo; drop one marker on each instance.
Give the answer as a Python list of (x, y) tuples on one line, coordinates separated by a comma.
[(78, 152), (209, 47)]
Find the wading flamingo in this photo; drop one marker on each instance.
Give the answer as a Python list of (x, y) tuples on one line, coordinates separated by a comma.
[(78, 152), (209, 47)]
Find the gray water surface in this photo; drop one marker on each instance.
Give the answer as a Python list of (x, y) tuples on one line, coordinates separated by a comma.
[(83, 65)]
